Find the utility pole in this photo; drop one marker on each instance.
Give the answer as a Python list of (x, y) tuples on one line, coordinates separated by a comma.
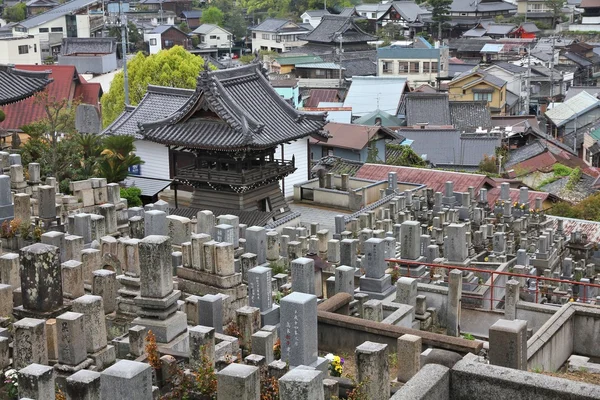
[(123, 22), (527, 85), (340, 71), (552, 72)]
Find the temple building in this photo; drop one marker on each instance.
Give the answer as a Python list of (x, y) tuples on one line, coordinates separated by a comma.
[(16, 84), (223, 142)]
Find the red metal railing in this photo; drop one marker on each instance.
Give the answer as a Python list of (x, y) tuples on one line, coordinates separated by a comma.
[(583, 290)]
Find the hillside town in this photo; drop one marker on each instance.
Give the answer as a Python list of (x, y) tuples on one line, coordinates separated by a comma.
[(299, 200)]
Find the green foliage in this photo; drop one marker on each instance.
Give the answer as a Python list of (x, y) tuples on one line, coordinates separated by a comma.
[(440, 13), (175, 67), (277, 268), (542, 25), (468, 336), (2, 115), (246, 59), (16, 13), (184, 27), (561, 170), (555, 7), (588, 208), (135, 39), (195, 41), (233, 17), (390, 33), (212, 15), (403, 155), (118, 156), (132, 195), (574, 178), (373, 152), (488, 165)]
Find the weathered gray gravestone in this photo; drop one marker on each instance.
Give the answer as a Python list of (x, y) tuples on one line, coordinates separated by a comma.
[(87, 119)]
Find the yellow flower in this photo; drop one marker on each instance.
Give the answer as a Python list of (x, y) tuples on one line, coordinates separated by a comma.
[(336, 359), (486, 259)]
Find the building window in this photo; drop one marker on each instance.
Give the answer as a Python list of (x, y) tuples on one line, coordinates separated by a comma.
[(266, 36), (253, 35), (43, 30), (59, 29), (35, 47), (403, 67), (482, 96), (152, 42), (213, 36), (373, 15), (228, 37), (169, 43), (414, 67), (433, 66), (388, 67), (273, 37), (24, 49)]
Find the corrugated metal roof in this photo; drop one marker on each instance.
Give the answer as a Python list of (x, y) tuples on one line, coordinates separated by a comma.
[(149, 186), (322, 65), (575, 106), (492, 48), (570, 225), (434, 179), (352, 136), (317, 96), (369, 93), (398, 52), (57, 12), (298, 60), (494, 194)]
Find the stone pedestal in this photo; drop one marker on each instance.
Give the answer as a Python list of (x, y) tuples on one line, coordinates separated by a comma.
[(238, 382), (127, 380), (372, 364), (508, 344), (302, 384)]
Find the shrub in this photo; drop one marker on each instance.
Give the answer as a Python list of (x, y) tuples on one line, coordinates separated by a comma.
[(132, 195)]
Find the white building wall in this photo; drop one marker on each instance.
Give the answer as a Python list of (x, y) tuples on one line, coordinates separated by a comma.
[(83, 26), (9, 51), (298, 149), (221, 40), (156, 158), (271, 44), (60, 22), (156, 47)]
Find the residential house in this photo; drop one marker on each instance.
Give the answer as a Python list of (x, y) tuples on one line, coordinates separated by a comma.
[(489, 29), (213, 37), (318, 96), (165, 37), (526, 30), (278, 35), (370, 93), (408, 15), (587, 61), (452, 148), (575, 90), (191, 18), (289, 90), (20, 50), (336, 31), (76, 18), (35, 7), (322, 70), (479, 85), (545, 83), (569, 120), (66, 84), (313, 17), (353, 142), (287, 64), (590, 19), (516, 82), (146, 21), (16, 84), (466, 13), (89, 55), (419, 65), (373, 12), (174, 6)]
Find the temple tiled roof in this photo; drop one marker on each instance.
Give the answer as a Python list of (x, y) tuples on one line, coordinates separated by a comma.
[(158, 103), (469, 115), (330, 27), (17, 84), (419, 108), (234, 109)]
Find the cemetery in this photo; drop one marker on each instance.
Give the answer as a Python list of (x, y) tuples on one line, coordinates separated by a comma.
[(418, 295)]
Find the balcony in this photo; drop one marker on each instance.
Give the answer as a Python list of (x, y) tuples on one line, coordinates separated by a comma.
[(270, 170)]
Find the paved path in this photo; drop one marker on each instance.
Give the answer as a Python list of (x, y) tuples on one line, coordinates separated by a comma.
[(324, 216)]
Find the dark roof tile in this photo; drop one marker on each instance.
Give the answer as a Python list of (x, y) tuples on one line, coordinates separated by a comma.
[(18, 84), (419, 108), (469, 115), (331, 25)]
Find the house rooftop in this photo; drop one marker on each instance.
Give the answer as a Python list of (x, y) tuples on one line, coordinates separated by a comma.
[(384, 118), (576, 106), (468, 116), (224, 114), (70, 7), (316, 13), (278, 25), (330, 27), (16, 84), (369, 93), (419, 108), (207, 28), (75, 46), (316, 96), (352, 136)]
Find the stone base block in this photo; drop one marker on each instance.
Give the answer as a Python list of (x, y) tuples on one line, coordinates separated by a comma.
[(270, 317), (126, 307), (237, 296), (375, 284), (20, 312), (164, 330), (224, 282), (158, 314), (104, 358), (71, 369), (390, 291), (158, 304)]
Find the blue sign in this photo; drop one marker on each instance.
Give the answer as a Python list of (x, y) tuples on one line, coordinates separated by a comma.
[(135, 170)]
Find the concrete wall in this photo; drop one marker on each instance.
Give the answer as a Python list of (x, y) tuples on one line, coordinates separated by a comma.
[(473, 380), (432, 382), (9, 50), (552, 345), (586, 330), (100, 64)]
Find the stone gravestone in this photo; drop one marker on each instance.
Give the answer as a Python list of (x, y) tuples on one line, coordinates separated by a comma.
[(260, 295), (410, 240), (7, 209), (87, 119), (298, 331), (376, 283)]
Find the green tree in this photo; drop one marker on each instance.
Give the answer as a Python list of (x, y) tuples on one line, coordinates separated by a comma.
[(2, 115), (247, 58), (440, 13), (233, 17), (135, 39), (132, 195), (184, 27), (390, 33), (174, 67), (16, 13), (403, 155), (118, 155), (555, 7), (272, 8), (212, 15)]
